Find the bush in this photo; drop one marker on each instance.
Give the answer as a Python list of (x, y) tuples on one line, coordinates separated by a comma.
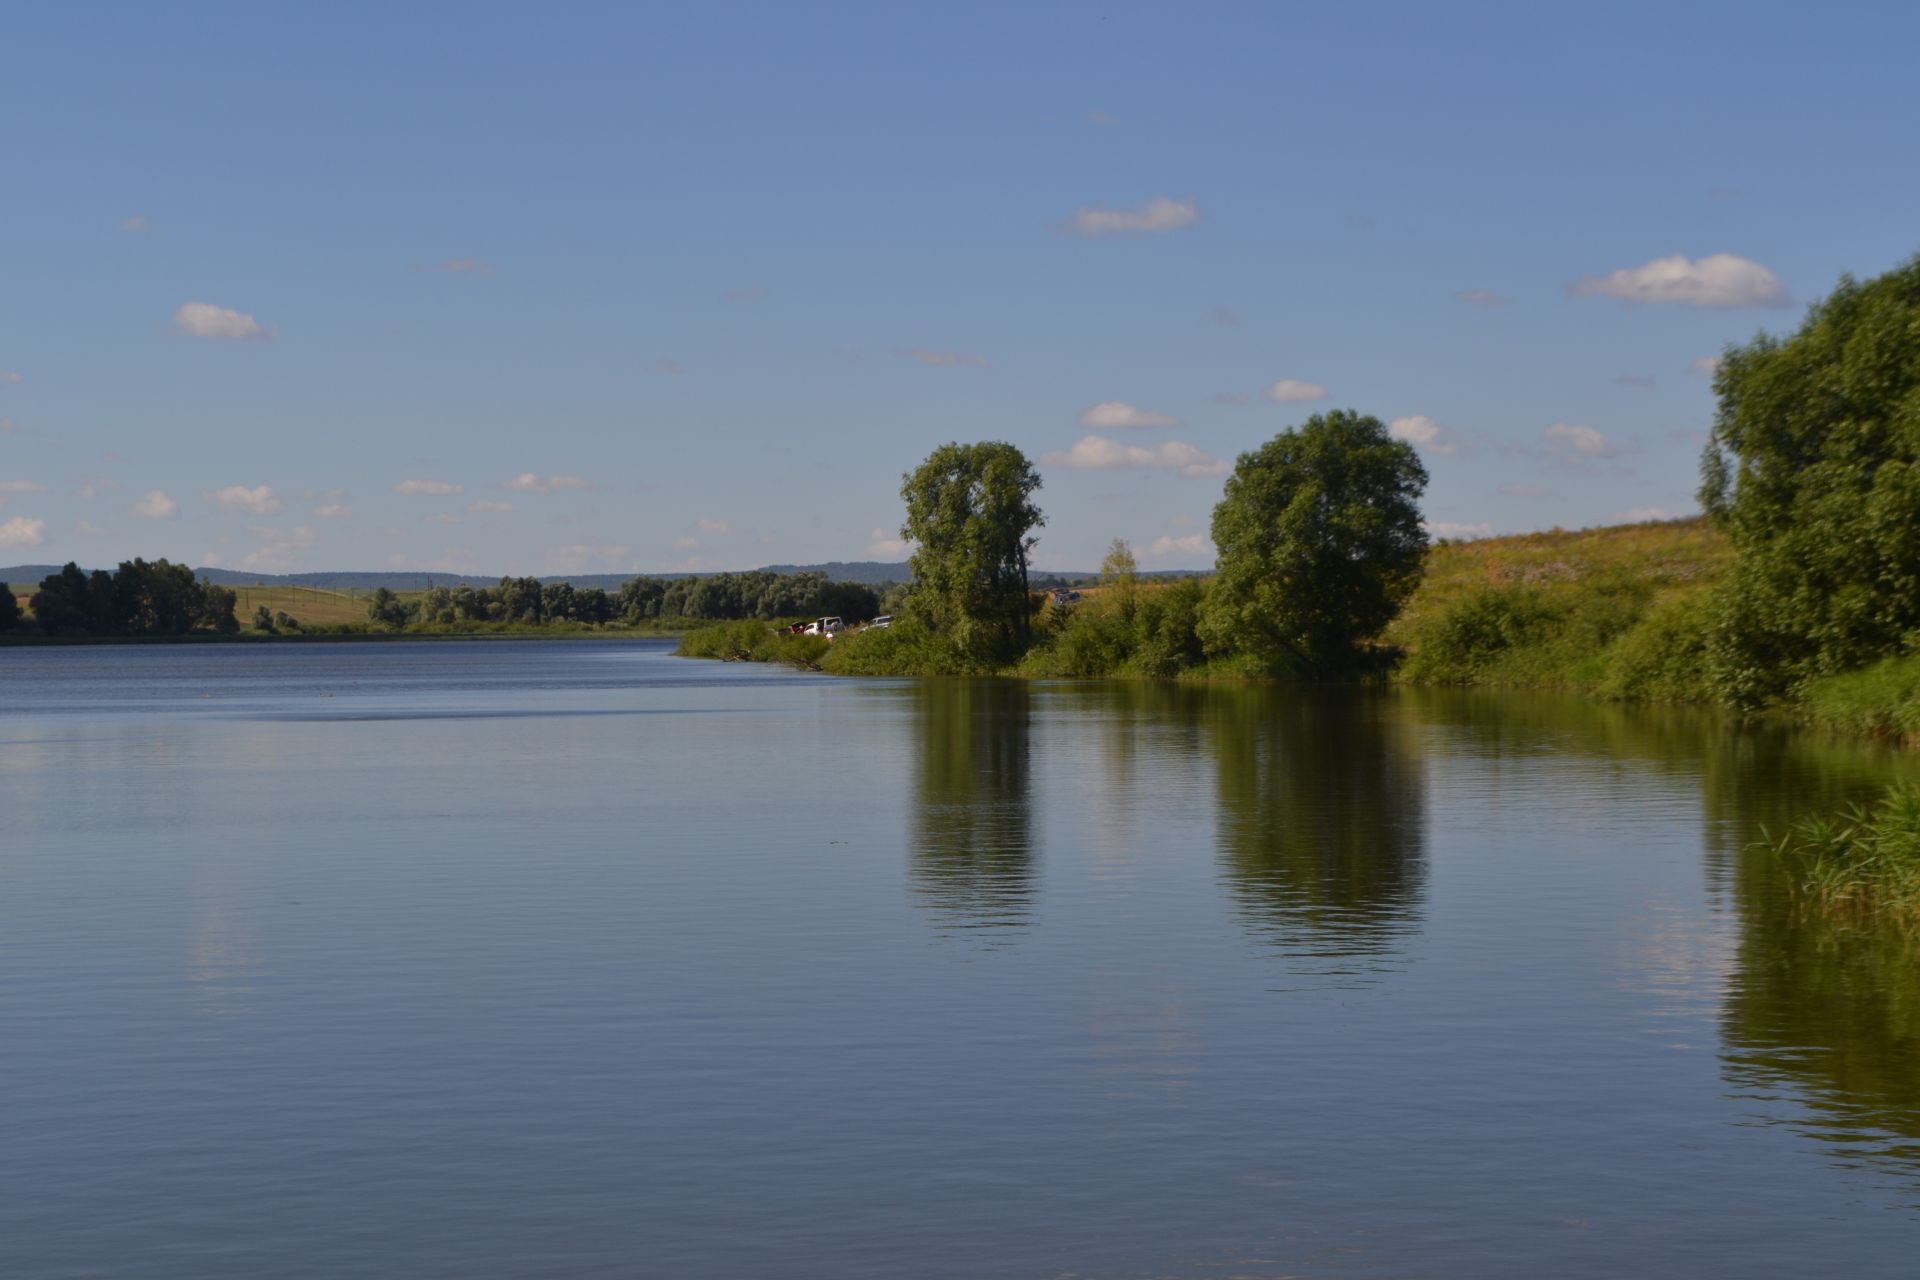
[(1664, 657)]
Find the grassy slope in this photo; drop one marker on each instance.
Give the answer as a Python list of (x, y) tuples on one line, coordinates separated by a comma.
[(310, 606), (1615, 611)]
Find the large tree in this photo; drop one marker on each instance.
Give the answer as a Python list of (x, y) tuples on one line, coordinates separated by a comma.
[(1822, 500), (1319, 541), (970, 509), (9, 608)]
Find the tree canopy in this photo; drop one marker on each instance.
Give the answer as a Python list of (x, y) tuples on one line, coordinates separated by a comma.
[(9, 608), (970, 510), (1822, 497), (1320, 542), (140, 598)]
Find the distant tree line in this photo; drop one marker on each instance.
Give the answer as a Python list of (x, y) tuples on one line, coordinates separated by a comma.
[(721, 597), (140, 598)]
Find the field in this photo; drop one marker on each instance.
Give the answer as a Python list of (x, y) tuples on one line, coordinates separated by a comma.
[(307, 605)]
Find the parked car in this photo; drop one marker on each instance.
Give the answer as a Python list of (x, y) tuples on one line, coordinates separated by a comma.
[(828, 627), (881, 623), (1063, 596)]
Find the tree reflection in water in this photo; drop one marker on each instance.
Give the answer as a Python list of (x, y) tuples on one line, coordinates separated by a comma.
[(1321, 824), (971, 829)]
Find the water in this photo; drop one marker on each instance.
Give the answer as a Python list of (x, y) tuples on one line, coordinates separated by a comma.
[(565, 959)]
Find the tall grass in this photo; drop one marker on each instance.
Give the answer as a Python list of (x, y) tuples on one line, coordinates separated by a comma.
[(1864, 863), (1882, 700)]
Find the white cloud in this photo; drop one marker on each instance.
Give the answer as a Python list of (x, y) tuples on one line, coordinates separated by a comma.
[(156, 505), (719, 528), (1705, 367), (1455, 529), (947, 359), (21, 486), (1157, 214), (1193, 544), (1118, 415), (1289, 390), (1570, 441), (1482, 298), (212, 559), (489, 507), (257, 501), (1098, 453), (204, 320), (885, 546), (22, 532), (1527, 491), (333, 510), (1718, 280), (136, 224), (1422, 432), (528, 482), (1641, 515), (428, 488), (685, 544), (444, 517), (9, 377)]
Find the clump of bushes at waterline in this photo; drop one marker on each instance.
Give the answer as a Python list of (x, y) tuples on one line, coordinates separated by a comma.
[(1863, 865)]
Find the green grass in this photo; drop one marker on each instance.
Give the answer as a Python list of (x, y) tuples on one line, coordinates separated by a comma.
[(310, 606), (1616, 612), (1865, 864), (1882, 700)]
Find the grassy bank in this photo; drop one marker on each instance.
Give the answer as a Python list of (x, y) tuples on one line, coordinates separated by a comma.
[(1616, 612)]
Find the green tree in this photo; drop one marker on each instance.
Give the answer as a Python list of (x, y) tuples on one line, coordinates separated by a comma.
[(9, 608), (263, 619), (388, 609), (215, 609), (1823, 430), (970, 509), (64, 603), (1120, 579), (1320, 543)]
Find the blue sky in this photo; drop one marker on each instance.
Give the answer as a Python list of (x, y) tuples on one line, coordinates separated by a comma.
[(606, 288)]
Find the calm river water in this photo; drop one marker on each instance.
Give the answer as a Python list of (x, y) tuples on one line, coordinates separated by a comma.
[(576, 959)]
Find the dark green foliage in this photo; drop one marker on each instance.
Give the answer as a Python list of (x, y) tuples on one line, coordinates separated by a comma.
[(1823, 429), (216, 612), (9, 608), (284, 621), (1320, 542), (389, 610), (970, 511), (141, 598), (263, 620)]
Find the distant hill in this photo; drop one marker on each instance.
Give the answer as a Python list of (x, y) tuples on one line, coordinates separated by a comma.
[(870, 572)]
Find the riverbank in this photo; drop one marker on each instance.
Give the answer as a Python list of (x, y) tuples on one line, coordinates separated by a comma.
[(1618, 613)]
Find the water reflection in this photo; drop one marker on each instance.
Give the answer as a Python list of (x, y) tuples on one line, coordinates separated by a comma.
[(1819, 1023), (971, 829), (1321, 826), (1821, 1026)]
